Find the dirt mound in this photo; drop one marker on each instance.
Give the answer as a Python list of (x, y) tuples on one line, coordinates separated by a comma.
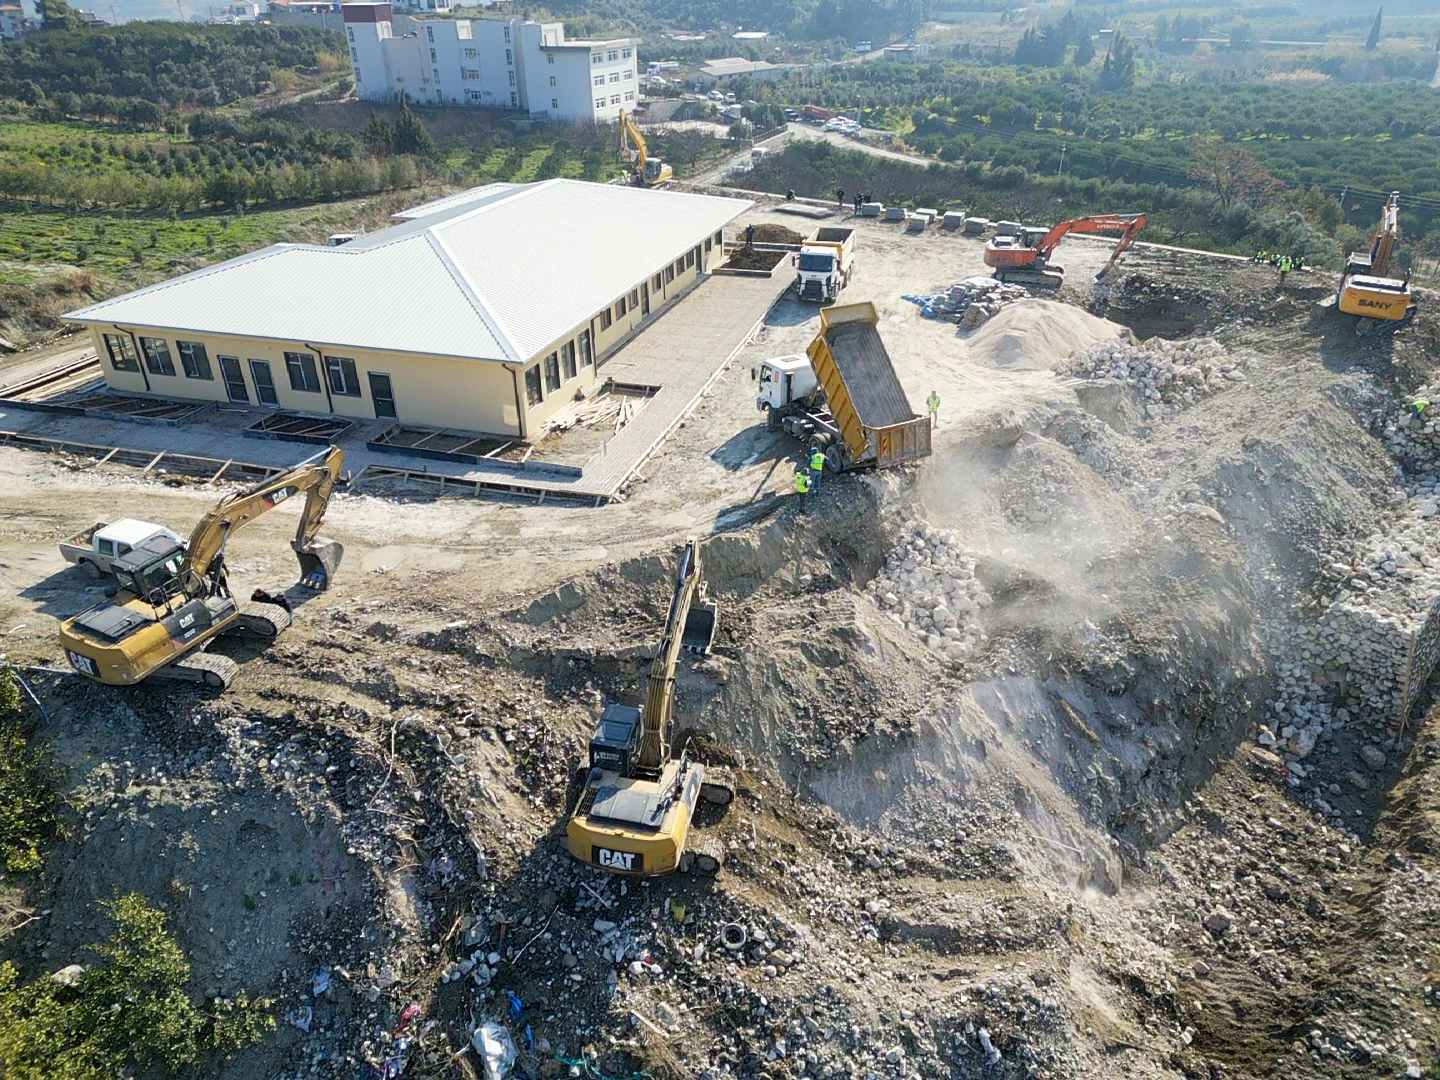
[(768, 233), (747, 258), (1036, 335)]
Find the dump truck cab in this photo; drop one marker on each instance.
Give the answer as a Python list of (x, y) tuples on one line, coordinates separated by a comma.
[(784, 380)]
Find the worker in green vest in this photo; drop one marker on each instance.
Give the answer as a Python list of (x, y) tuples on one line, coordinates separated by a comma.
[(933, 404), (817, 466), (1418, 408), (802, 485)]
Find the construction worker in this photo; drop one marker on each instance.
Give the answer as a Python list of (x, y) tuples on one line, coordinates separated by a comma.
[(857, 203), (1263, 256), (750, 235), (1284, 267), (817, 466), (1418, 408), (840, 197), (802, 485), (933, 404)]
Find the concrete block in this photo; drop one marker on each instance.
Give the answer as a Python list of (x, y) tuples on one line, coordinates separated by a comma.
[(919, 221), (872, 209), (896, 213), (1008, 228), (974, 226), (953, 219)]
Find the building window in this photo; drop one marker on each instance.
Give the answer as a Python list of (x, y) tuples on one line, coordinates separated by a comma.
[(599, 102), (430, 32), (614, 76), (612, 55), (350, 32), (625, 53), (122, 352), (597, 58), (470, 73), (432, 56), (550, 57), (720, 239), (194, 360), (669, 274), (620, 308), (469, 54), (532, 386), (157, 356), (514, 101), (599, 80), (552, 373), (708, 245), (303, 376), (605, 319), (342, 376), (512, 79), (679, 266), (689, 260), (634, 298), (507, 33), (554, 103), (629, 74), (354, 56), (656, 283), (630, 96), (509, 56), (552, 81), (615, 100), (567, 360), (587, 354)]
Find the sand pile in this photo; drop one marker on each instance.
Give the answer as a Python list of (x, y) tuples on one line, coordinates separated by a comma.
[(1037, 335)]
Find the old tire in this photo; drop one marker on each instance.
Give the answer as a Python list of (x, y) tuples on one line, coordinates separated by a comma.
[(90, 570)]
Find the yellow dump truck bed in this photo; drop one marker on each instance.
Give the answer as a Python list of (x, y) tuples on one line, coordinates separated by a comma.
[(864, 393)]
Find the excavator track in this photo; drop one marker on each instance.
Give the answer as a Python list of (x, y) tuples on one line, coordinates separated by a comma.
[(265, 621), (209, 669)]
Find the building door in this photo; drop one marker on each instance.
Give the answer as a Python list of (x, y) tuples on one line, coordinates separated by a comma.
[(644, 299), (382, 396), (234, 379), (264, 384)]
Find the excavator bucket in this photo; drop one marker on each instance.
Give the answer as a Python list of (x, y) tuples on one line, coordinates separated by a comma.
[(318, 563), (700, 623)]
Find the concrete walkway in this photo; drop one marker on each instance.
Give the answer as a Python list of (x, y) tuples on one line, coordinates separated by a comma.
[(681, 352)]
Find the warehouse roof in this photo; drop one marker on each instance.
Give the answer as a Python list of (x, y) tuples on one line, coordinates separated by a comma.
[(499, 276)]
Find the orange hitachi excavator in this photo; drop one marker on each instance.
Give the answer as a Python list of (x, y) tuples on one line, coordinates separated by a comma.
[(1017, 261)]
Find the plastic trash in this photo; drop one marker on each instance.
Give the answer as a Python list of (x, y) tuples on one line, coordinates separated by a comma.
[(992, 1055), (496, 1049), (529, 1039), (677, 911), (301, 1017), (412, 1011), (320, 983), (395, 1065), (516, 1005)]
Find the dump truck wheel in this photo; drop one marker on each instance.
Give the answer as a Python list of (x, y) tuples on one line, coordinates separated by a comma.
[(90, 570), (772, 419)]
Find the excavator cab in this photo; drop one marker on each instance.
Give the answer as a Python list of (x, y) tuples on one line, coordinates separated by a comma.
[(151, 571)]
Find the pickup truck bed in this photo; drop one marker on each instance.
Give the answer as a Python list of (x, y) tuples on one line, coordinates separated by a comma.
[(869, 375)]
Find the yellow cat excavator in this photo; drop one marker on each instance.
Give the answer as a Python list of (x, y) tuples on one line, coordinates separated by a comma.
[(174, 599), (636, 805), (1368, 290), (649, 171)]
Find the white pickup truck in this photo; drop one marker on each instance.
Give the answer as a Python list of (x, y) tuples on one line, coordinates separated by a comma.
[(94, 549)]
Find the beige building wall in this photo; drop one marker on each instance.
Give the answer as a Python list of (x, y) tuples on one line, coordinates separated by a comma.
[(467, 394)]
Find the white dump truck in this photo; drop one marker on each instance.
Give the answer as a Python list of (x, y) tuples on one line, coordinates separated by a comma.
[(824, 264), (94, 549)]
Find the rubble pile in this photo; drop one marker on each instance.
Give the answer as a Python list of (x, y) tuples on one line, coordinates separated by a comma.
[(928, 585), (1169, 375), (970, 302)]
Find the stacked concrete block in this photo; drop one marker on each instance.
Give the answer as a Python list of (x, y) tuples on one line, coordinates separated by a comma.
[(920, 221)]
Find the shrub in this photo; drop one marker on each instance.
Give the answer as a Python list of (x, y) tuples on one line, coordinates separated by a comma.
[(128, 1010), (29, 780)]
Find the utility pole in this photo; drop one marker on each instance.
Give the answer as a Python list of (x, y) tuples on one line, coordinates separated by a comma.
[(1061, 171)]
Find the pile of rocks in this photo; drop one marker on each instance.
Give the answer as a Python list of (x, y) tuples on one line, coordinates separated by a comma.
[(1169, 375), (970, 302), (928, 585)]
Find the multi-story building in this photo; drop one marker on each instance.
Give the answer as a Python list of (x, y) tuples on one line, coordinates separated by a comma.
[(499, 63)]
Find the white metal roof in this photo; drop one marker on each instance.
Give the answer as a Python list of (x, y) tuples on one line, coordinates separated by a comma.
[(468, 197), (498, 276)]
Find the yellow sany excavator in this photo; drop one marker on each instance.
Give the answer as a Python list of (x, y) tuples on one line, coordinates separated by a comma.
[(174, 599), (649, 171), (636, 805), (1368, 289)]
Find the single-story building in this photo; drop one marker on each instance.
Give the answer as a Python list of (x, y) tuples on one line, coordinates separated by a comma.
[(486, 311), (728, 67)]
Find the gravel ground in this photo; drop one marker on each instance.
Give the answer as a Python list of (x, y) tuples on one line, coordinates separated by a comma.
[(1021, 820)]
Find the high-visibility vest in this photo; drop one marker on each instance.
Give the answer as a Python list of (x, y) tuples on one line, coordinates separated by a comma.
[(802, 482), (1419, 405), (817, 460), (933, 402)]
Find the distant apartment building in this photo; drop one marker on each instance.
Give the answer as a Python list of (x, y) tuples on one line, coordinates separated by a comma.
[(496, 63), (12, 21)]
